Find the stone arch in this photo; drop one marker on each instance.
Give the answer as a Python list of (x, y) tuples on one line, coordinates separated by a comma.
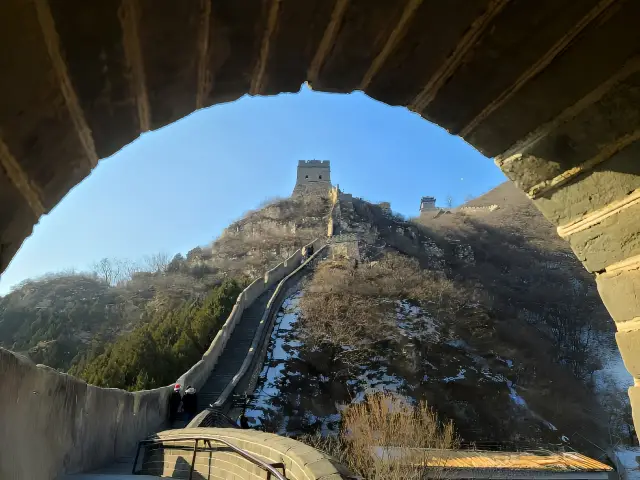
[(550, 89)]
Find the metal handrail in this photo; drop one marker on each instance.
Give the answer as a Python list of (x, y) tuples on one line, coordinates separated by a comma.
[(215, 413), (208, 438)]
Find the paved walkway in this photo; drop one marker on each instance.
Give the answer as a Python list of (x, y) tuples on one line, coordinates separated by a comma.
[(235, 351)]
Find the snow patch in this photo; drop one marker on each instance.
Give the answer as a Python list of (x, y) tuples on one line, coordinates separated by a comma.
[(460, 376), (414, 322)]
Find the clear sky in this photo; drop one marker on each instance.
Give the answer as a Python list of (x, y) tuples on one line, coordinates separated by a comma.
[(178, 187)]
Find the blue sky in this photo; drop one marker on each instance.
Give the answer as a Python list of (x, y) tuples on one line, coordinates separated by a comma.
[(178, 187)]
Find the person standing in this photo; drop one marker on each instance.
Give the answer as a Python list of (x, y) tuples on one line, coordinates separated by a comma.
[(190, 403), (174, 403)]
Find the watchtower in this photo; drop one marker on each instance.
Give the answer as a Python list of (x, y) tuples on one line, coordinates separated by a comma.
[(427, 203), (314, 176)]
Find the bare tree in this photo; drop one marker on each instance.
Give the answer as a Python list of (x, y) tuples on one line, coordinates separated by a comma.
[(126, 269), (106, 270), (449, 201), (157, 262)]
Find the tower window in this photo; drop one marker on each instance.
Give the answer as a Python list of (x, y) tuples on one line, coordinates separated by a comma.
[(320, 177), (306, 176)]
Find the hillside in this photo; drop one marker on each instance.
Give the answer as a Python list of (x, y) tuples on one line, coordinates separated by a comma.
[(484, 313), (58, 319)]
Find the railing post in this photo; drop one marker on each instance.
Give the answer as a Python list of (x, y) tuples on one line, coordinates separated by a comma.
[(135, 462), (193, 459)]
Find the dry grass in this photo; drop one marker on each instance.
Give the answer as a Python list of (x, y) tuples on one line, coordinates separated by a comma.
[(264, 237), (386, 420)]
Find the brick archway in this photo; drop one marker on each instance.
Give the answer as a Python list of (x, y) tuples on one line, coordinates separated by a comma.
[(550, 89)]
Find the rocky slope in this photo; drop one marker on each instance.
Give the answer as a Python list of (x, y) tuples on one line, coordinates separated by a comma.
[(499, 328)]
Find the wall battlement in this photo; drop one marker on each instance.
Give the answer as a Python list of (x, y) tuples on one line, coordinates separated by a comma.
[(313, 163)]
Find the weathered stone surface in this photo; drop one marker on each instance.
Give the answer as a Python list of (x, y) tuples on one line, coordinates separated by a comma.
[(594, 56), (608, 182), (71, 91), (301, 26), (171, 73), (620, 292), (80, 80), (52, 422), (629, 344), (522, 33), (35, 123), (634, 397), (612, 240), (359, 39), (418, 55), (301, 461), (605, 121), (235, 34), (20, 226), (99, 70)]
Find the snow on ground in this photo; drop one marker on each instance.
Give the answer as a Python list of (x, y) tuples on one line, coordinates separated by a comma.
[(613, 372), (373, 381), (414, 322), (284, 348), (460, 376), (494, 377)]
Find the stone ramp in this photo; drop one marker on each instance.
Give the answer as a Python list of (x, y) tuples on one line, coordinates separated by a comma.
[(235, 351), (118, 470)]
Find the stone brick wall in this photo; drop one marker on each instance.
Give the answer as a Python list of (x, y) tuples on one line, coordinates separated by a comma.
[(486, 208), (52, 422), (314, 177), (75, 427), (301, 461)]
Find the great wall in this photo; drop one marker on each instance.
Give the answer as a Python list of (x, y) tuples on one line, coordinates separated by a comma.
[(113, 432), (547, 89), (81, 427), (77, 427)]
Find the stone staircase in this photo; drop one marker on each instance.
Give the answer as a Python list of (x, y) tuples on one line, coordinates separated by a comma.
[(235, 351)]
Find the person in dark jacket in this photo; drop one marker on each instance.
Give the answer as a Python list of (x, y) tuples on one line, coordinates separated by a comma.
[(244, 422), (174, 403), (190, 403)]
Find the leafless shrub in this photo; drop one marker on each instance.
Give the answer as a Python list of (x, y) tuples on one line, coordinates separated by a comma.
[(156, 262), (348, 312), (386, 420)]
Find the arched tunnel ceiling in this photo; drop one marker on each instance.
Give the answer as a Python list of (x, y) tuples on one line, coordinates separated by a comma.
[(549, 86)]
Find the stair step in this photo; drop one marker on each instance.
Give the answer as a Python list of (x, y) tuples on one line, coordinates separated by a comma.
[(234, 353)]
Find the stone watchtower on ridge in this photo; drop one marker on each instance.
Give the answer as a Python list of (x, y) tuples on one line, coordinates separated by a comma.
[(427, 204), (314, 177)]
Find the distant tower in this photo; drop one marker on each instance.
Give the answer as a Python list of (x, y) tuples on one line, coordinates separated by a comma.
[(427, 203), (314, 176)]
